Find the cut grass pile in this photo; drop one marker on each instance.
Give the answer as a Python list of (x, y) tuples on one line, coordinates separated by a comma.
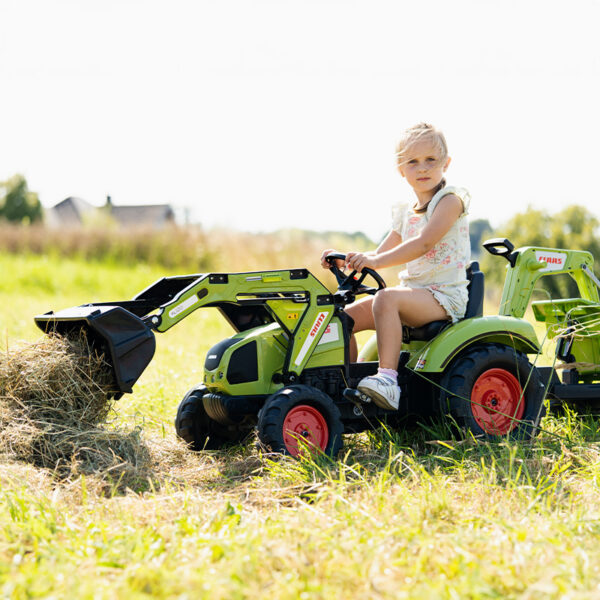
[(53, 410)]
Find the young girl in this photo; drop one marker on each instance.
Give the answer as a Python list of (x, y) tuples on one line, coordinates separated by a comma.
[(430, 236)]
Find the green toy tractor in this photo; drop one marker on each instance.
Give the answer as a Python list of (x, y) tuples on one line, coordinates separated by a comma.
[(286, 371)]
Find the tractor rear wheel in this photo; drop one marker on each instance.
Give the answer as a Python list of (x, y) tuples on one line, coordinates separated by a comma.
[(300, 413), (493, 390), (195, 427)]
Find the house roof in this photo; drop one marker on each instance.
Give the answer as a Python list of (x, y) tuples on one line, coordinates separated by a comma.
[(71, 210), (150, 214)]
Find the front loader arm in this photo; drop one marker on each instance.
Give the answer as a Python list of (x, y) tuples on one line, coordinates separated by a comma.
[(124, 330), (298, 301)]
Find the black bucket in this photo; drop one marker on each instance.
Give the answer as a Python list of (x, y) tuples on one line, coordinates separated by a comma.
[(126, 341)]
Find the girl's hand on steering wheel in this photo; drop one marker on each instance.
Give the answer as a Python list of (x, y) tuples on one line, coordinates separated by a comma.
[(357, 261), (326, 265)]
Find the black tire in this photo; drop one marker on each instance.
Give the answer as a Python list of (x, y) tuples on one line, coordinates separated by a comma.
[(195, 427), (312, 413), (494, 391)]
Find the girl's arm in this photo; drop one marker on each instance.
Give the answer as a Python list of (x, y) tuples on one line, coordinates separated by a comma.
[(391, 240), (446, 213)]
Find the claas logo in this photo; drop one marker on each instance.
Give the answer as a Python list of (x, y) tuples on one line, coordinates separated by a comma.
[(317, 324), (554, 260), (551, 260)]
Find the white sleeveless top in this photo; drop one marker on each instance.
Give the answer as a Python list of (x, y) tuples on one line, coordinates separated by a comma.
[(442, 269)]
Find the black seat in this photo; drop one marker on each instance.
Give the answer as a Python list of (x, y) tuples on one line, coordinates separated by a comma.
[(474, 308), (475, 288)]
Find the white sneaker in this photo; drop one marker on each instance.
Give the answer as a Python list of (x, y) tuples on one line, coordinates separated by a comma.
[(385, 392)]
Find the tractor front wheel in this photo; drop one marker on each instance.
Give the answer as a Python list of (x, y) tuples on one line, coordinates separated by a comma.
[(297, 416), (493, 390), (195, 427)]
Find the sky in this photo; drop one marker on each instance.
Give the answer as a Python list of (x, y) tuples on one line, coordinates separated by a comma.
[(267, 114)]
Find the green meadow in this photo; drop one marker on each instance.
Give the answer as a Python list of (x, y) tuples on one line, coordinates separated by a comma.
[(414, 513)]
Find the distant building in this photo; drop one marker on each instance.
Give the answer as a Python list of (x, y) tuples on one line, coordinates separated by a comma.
[(73, 212), (141, 215)]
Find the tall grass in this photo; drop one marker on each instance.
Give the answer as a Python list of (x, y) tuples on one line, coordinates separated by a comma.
[(397, 516), (407, 513), (190, 248)]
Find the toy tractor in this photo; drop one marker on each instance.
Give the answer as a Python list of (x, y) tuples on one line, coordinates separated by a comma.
[(286, 371)]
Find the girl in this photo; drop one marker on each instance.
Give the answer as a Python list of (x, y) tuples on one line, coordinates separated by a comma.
[(431, 238)]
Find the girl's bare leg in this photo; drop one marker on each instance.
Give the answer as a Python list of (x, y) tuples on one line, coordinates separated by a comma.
[(362, 313), (394, 306)]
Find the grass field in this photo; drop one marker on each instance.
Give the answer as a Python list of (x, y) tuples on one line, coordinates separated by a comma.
[(406, 514)]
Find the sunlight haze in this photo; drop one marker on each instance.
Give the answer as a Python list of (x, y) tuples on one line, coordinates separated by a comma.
[(269, 114)]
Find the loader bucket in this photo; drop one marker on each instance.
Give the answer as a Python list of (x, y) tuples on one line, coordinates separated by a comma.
[(127, 342)]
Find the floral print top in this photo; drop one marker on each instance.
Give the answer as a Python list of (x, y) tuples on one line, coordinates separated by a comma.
[(443, 269)]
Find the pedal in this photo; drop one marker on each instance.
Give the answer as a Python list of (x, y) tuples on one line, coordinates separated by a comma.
[(356, 396)]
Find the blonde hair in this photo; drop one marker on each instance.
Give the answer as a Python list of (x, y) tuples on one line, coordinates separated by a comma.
[(418, 133)]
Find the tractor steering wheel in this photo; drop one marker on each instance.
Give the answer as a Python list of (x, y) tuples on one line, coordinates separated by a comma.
[(350, 283)]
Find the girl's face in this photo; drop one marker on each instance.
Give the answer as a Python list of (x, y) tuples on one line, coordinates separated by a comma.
[(423, 166)]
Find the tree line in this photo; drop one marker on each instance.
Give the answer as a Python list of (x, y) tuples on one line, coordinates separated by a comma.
[(574, 227), (17, 203)]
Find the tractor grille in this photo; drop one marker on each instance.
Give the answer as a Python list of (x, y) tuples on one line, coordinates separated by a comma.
[(243, 365)]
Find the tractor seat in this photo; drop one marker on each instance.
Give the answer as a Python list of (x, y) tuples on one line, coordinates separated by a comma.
[(474, 309)]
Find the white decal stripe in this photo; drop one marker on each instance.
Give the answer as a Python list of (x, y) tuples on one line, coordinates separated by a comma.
[(185, 304), (314, 330), (331, 334)]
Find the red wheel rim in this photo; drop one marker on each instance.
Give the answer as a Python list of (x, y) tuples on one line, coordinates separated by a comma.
[(304, 422), (497, 401)]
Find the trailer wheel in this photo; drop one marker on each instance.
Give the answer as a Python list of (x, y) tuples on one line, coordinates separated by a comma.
[(300, 412), (195, 427), (493, 390)]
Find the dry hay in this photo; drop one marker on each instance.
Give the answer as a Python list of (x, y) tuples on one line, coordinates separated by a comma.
[(54, 408)]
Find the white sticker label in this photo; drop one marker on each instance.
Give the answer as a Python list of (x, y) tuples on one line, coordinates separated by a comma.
[(185, 304), (331, 334), (554, 260), (314, 330)]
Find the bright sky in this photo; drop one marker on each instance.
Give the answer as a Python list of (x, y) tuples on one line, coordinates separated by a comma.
[(267, 114)]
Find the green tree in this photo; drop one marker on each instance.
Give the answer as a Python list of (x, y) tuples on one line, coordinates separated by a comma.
[(17, 203), (573, 228)]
